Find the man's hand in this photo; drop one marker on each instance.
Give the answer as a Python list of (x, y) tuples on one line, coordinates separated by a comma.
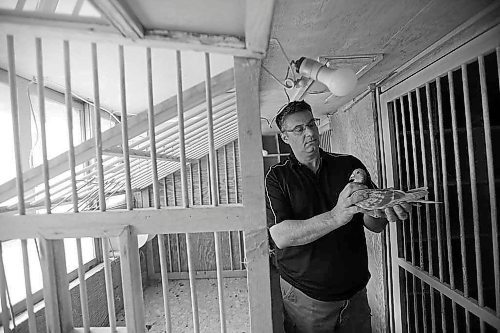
[(397, 212), (346, 208)]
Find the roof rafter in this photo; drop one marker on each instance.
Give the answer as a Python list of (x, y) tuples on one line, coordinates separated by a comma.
[(121, 17)]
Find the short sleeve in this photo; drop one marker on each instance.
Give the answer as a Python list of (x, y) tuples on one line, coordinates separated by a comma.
[(277, 200)]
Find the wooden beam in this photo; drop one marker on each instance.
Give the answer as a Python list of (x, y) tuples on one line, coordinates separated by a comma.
[(111, 223), (258, 18), (55, 286), (131, 280), (121, 17), (112, 137), (98, 30), (256, 242), (136, 153), (48, 6)]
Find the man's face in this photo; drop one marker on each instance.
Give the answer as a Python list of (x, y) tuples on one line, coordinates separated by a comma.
[(306, 142)]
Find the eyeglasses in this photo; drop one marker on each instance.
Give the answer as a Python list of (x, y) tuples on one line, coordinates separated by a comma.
[(299, 129)]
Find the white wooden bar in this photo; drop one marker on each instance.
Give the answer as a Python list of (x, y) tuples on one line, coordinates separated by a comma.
[(236, 200), (151, 132), (191, 182), (15, 124), (213, 190), (133, 301), (256, 235), (124, 125), (108, 279), (97, 129), (3, 296), (83, 288), (43, 133), (200, 187), (491, 178), (185, 197), (164, 281), (473, 185), (27, 285), (69, 120)]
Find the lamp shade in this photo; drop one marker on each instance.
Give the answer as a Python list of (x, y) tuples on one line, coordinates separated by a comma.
[(339, 81)]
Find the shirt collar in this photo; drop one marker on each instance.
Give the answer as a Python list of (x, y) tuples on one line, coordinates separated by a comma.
[(295, 162)]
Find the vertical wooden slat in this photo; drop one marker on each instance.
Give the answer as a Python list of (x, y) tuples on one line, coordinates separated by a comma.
[(15, 124), (200, 183), (460, 205), (191, 182), (236, 200), (27, 284), (256, 234), (185, 198), (164, 282), (491, 178), (124, 125), (226, 180), (131, 281), (108, 279), (213, 189), (83, 288), (151, 131), (3, 296), (473, 184), (97, 129), (43, 132)]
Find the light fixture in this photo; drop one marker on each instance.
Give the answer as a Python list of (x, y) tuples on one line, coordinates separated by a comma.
[(340, 81)]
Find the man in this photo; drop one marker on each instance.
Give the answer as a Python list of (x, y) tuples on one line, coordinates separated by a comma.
[(317, 233)]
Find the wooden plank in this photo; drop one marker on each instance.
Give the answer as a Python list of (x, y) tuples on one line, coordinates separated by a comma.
[(258, 18), (256, 241), (112, 137), (131, 281), (58, 310), (98, 30), (108, 280), (3, 296), (48, 6), (121, 17), (110, 223), (241, 273)]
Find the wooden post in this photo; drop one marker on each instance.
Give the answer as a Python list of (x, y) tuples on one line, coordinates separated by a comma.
[(58, 312), (131, 281), (256, 241)]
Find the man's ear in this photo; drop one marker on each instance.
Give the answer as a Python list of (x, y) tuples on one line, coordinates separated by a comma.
[(284, 137)]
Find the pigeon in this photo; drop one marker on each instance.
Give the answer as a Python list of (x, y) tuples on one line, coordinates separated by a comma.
[(385, 198)]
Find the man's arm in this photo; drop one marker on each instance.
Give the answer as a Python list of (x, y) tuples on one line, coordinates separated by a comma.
[(299, 232)]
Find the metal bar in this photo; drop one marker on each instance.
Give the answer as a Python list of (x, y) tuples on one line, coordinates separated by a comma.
[(456, 297), (491, 177), (15, 124), (124, 124), (108, 278), (430, 113), (473, 184), (164, 282), (151, 131), (69, 118), (460, 204), (3, 296), (400, 179), (408, 185), (43, 132), (185, 198), (97, 129), (417, 183), (83, 288)]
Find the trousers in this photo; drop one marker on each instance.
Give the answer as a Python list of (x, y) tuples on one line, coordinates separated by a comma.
[(303, 314)]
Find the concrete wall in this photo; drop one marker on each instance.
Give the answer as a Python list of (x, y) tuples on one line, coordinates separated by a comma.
[(353, 133)]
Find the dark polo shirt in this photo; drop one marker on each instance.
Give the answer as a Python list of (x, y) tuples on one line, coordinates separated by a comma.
[(335, 266)]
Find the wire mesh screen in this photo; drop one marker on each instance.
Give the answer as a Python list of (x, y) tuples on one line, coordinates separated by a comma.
[(444, 137)]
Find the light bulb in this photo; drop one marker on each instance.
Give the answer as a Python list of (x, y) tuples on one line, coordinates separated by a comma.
[(339, 81)]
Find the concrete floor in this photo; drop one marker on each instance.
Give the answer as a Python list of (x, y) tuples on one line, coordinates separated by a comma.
[(235, 298)]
